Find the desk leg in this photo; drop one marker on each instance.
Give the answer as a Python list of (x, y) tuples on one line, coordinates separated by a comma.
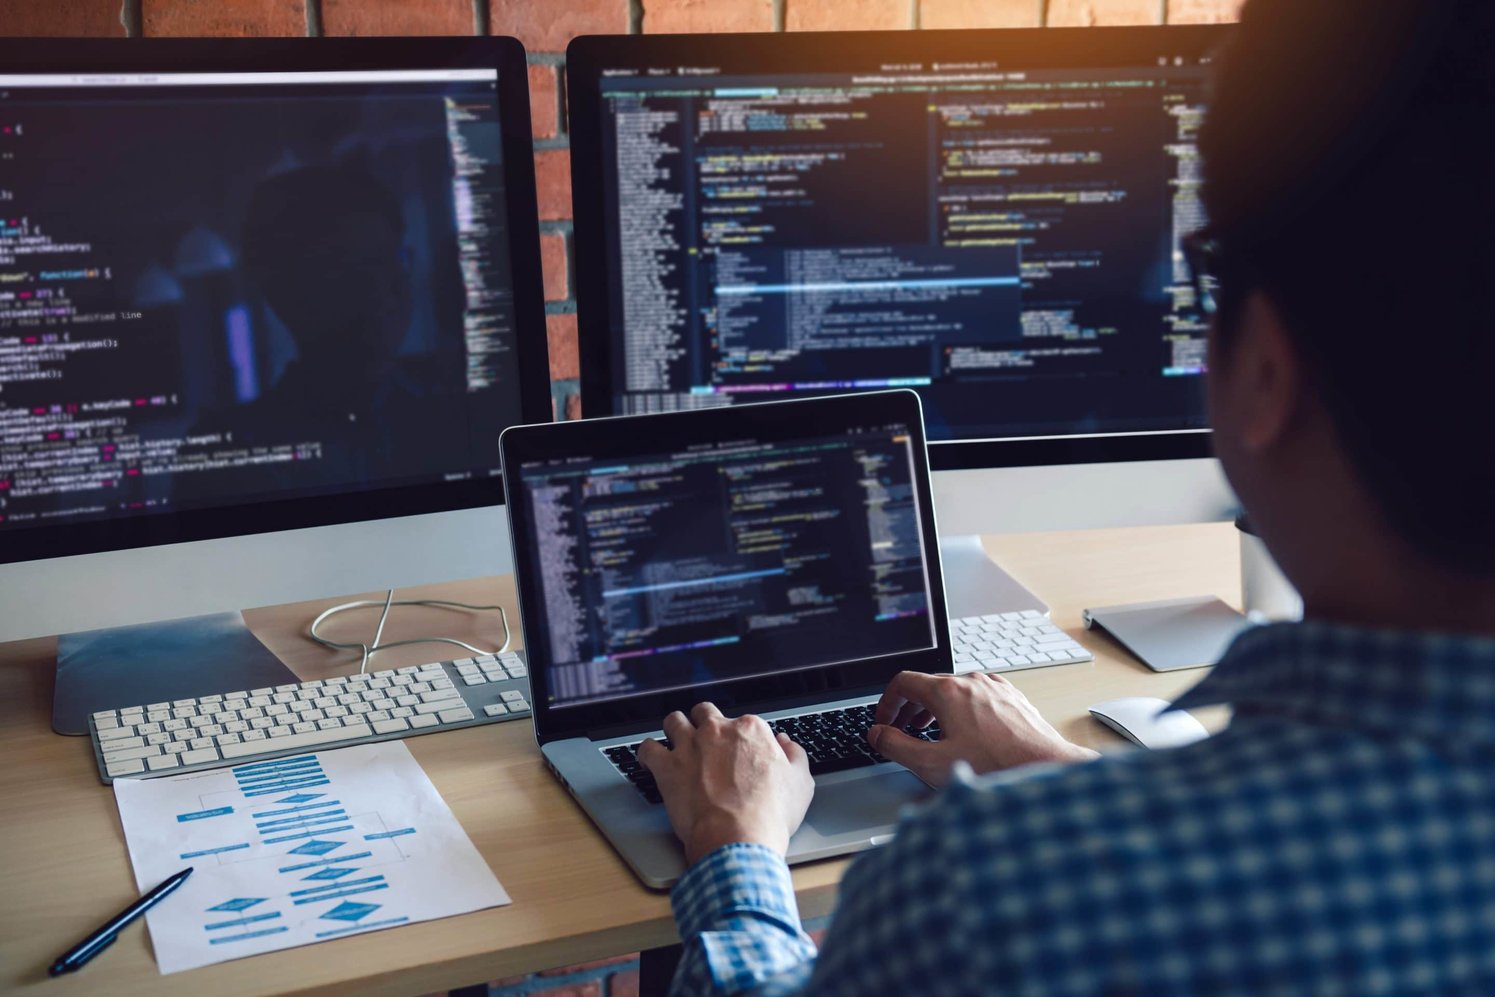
[(656, 968)]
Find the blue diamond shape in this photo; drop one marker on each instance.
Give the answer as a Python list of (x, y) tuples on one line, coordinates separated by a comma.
[(316, 846), (301, 798), (331, 872), (239, 903), (349, 911)]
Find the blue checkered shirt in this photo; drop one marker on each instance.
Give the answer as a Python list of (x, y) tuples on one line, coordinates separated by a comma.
[(1337, 837)]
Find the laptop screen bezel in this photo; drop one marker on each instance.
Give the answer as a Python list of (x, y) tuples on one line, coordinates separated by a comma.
[(623, 436)]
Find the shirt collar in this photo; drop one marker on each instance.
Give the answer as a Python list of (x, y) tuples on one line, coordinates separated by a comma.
[(1436, 686)]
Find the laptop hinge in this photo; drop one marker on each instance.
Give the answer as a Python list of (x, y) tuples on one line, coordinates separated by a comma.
[(763, 706)]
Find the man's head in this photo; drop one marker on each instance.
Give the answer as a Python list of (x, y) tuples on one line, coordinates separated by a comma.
[(1348, 178), (325, 247)]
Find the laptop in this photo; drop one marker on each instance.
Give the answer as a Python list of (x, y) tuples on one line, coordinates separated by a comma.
[(777, 559)]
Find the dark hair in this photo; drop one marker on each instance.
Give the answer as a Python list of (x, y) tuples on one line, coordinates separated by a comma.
[(1349, 175), (288, 210)]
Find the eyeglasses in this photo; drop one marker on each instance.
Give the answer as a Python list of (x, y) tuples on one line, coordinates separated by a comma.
[(1204, 255)]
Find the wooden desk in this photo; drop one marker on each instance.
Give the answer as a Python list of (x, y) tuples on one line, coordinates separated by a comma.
[(64, 865)]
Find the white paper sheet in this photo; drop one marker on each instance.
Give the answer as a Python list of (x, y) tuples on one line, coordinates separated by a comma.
[(298, 850)]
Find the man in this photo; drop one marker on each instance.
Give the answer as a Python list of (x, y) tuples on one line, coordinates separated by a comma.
[(1339, 836), (326, 248)]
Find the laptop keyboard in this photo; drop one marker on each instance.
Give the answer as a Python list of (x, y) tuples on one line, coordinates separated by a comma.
[(835, 740)]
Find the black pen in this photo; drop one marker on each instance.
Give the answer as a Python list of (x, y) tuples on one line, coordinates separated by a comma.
[(75, 957)]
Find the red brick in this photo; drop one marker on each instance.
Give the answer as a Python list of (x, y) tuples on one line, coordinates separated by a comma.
[(553, 184), (509, 981), (624, 984), (1203, 11), (689, 16), (60, 18), (224, 18), (573, 413), (397, 17), (1088, 13), (593, 989), (547, 27), (553, 260), (980, 13), (544, 101), (596, 963), (565, 362), (869, 15)]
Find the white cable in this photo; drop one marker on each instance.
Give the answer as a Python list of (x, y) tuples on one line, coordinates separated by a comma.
[(385, 605)]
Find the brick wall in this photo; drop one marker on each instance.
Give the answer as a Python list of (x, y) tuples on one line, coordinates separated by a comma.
[(545, 26)]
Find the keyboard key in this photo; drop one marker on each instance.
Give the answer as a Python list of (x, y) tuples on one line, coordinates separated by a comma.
[(116, 733), (201, 744), (124, 767), (512, 695), (475, 679), (305, 740), (455, 716), (199, 755), (162, 762), (423, 720), (146, 751), (390, 726), (518, 706), (495, 710)]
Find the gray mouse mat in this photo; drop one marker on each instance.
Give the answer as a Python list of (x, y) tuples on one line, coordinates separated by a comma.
[(1174, 634)]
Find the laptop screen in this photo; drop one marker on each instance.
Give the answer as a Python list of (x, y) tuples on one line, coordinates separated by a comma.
[(708, 562)]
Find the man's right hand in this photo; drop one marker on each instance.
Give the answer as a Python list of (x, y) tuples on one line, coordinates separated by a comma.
[(984, 721)]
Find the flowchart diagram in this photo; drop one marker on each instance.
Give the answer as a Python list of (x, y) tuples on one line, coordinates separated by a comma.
[(297, 850)]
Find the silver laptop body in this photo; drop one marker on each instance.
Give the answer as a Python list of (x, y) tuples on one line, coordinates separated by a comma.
[(718, 555)]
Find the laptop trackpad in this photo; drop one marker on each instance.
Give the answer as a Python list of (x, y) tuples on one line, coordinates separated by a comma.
[(858, 805)]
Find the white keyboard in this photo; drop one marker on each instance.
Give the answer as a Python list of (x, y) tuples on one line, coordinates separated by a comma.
[(211, 731), (1007, 642)]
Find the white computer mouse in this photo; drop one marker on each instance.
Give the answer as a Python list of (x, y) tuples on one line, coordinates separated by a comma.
[(1141, 720)]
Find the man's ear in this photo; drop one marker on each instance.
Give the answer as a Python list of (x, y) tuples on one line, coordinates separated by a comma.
[(1268, 376)]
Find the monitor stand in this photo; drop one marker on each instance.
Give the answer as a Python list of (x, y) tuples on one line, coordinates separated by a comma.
[(157, 663), (976, 586)]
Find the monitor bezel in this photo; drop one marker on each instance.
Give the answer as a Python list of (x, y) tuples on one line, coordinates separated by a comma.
[(506, 57), (622, 435), (587, 57)]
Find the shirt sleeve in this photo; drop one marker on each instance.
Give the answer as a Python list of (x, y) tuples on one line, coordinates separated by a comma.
[(905, 915), (739, 925)]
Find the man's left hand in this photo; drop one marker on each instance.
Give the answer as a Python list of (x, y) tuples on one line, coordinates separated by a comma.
[(727, 781)]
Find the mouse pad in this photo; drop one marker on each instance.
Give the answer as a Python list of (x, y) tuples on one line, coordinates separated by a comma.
[(1178, 633), (158, 662)]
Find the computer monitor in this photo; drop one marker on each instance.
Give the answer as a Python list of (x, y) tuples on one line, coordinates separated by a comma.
[(265, 308), (990, 217)]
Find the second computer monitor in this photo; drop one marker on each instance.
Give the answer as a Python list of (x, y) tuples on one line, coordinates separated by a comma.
[(991, 217)]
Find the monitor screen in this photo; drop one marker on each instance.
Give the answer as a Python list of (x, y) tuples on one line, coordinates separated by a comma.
[(998, 228), (222, 289), (722, 560)]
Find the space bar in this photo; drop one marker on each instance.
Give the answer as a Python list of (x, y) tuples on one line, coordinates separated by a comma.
[(295, 741)]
